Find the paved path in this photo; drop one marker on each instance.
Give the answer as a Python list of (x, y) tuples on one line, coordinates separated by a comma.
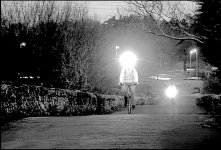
[(150, 126)]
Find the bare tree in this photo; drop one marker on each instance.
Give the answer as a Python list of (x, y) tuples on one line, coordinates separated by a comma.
[(33, 12), (168, 13)]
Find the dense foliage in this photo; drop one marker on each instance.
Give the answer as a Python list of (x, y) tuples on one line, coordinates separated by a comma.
[(24, 101), (56, 48), (212, 84), (208, 25)]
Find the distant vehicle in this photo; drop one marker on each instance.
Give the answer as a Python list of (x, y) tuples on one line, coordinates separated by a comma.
[(160, 77), (190, 69), (193, 78)]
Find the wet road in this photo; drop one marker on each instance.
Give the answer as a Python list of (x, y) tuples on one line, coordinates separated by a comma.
[(149, 126)]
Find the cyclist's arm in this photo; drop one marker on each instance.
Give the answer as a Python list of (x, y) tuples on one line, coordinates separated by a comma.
[(122, 75), (135, 75)]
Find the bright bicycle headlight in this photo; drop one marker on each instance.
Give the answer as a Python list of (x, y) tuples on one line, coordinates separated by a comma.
[(171, 91), (128, 59)]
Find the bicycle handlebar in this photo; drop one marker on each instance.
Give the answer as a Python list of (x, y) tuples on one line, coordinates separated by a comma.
[(129, 83)]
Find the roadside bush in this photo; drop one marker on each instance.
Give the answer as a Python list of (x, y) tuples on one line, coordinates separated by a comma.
[(212, 85), (142, 99), (211, 102), (26, 101), (109, 103)]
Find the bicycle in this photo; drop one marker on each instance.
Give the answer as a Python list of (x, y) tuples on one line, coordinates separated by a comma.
[(129, 105)]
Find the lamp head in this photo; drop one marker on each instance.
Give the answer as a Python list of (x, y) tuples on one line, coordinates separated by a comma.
[(193, 51)]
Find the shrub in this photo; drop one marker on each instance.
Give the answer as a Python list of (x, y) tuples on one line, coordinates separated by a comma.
[(211, 103), (26, 101), (213, 83)]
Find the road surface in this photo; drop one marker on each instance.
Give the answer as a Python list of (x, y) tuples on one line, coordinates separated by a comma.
[(148, 127)]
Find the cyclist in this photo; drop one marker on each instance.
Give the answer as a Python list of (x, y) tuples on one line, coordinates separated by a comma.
[(129, 74)]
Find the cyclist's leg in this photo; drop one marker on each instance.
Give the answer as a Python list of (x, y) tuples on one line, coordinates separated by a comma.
[(132, 91), (129, 99), (124, 89)]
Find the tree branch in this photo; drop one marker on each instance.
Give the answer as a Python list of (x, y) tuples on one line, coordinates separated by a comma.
[(172, 37), (156, 11)]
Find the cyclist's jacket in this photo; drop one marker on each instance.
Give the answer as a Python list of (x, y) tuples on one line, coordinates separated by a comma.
[(128, 75)]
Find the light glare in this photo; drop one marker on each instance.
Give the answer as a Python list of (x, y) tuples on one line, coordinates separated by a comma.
[(171, 91), (193, 51), (128, 59)]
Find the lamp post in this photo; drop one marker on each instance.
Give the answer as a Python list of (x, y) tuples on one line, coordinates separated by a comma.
[(117, 47), (194, 51), (190, 62), (197, 65)]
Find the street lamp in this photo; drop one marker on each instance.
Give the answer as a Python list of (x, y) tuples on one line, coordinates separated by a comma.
[(117, 47), (194, 51), (23, 44)]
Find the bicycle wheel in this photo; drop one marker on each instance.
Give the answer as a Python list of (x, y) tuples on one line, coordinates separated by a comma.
[(129, 105), (129, 109)]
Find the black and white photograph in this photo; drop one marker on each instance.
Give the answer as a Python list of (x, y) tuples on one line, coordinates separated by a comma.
[(110, 74)]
